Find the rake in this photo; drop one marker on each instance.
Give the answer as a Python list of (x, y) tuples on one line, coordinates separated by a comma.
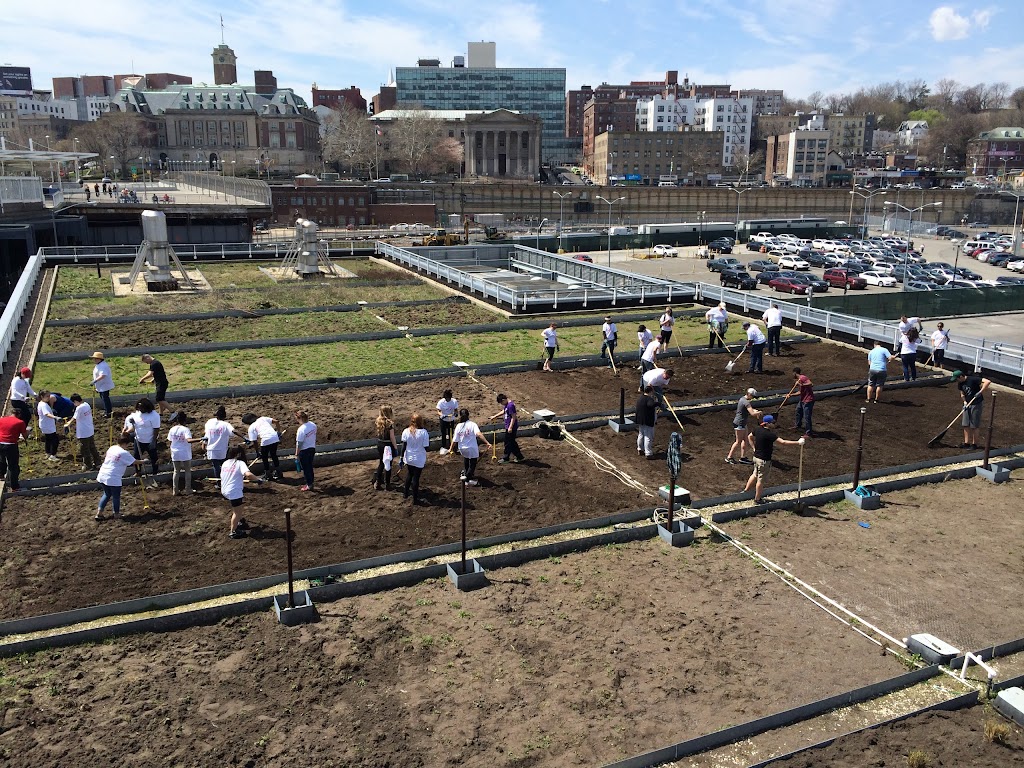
[(942, 434)]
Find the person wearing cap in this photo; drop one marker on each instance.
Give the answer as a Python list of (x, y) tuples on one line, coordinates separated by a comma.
[(773, 324), (658, 379), (180, 438), (878, 362), (102, 381), (158, 376), (668, 323), (940, 343), (47, 425), (11, 428), (550, 345), (718, 325), (85, 433), (805, 402), (305, 448), (609, 336), (447, 413), (646, 416), (756, 341), (263, 430), (763, 440), (644, 337), (22, 395), (744, 410), (972, 388)]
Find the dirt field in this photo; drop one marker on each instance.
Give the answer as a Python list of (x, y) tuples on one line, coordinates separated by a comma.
[(945, 739), (568, 661), (959, 570)]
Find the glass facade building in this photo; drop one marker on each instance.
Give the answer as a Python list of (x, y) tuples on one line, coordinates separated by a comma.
[(526, 90)]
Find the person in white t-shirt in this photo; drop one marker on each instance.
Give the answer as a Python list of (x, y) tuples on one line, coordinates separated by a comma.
[(116, 460), (180, 438), (718, 325), (447, 414), (416, 440), (144, 424), (644, 337), (233, 473), (85, 433), (940, 343), (658, 379), (550, 345), (263, 430), (103, 381), (217, 433), (773, 323), (305, 448), (756, 341), (609, 338), (48, 426), (22, 394), (467, 434), (668, 324)]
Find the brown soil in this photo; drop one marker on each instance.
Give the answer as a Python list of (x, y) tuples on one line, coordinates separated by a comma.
[(579, 660), (945, 739)]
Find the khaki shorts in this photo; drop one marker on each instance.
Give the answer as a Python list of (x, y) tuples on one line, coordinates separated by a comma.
[(762, 468)]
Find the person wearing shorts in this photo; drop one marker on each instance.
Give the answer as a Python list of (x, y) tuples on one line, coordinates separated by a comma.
[(233, 473), (878, 362), (550, 345), (972, 388), (158, 376), (744, 410), (762, 440), (667, 323)]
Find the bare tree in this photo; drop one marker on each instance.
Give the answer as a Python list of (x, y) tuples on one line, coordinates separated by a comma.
[(350, 140), (994, 95), (414, 140), (946, 93), (1016, 99), (815, 101), (116, 136), (745, 159), (837, 103)]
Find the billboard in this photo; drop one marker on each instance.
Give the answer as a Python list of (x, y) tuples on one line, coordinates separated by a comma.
[(15, 80)]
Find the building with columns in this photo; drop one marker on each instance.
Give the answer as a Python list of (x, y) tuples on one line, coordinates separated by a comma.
[(503, 144)]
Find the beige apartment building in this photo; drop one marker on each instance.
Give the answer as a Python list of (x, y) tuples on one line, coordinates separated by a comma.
[(689, 156)]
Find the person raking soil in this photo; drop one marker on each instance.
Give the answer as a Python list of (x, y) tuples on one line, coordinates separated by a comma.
[(762, 440), (972, 388)]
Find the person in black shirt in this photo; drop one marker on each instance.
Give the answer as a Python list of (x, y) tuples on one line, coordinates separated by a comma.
[(157, 375), (763, 440), (646, 415), (972, 387)]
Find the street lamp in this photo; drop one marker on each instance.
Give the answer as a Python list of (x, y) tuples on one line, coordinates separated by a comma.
[(867, 205), (739, 193), (542, 223), (910, 227), (561, 199), (142, 162), (959, 245), (78, 172), (610, 204), (51, 160)]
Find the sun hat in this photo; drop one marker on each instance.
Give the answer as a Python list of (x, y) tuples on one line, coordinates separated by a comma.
[(97, 356), (767, 419)]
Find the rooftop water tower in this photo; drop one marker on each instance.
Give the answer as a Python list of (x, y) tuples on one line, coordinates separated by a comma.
[(155, 256), (306, 254)]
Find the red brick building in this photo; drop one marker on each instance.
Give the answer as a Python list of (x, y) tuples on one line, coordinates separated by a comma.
[(336, 99)]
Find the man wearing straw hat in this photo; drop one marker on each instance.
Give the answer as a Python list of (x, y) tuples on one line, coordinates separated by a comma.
[(718, 325), (102, 381)]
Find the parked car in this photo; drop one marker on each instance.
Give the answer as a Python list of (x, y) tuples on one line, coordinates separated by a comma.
[(842, 278), (920, 285), (1017, 265), (717, 265), (877, 278), (787, 285), (819, 285), (754, 245), (664, 250), (1009, 280), (814, 258), (763, 278), (793, 262), (720, 246), (762, 265), (738, 278), (583, 257)]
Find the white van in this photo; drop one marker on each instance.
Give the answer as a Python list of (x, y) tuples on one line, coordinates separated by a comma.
[(973, 245)]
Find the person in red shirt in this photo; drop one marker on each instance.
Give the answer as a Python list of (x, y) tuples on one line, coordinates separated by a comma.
[(805, 403), (11, 428)]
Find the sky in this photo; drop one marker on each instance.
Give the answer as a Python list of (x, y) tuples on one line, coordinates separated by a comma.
[(800, 46)]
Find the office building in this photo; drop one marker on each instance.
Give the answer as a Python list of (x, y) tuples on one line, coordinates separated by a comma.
[(643, 157)]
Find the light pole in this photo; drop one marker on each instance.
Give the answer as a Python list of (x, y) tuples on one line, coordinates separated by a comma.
[(739, 193), (542, 223), (78, 172), (610, 204), (959, 245), (700, 220), (910, 227), (561, 199), (142, 162), (867, 205)]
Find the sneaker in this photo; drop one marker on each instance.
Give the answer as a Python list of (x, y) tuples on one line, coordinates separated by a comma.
[(965, 445), (745, 460), (462, 477), (99, 516), (472, 482), (503, 461), (517, 461), (729, 460), (236, 535), (808, 434), (243, 525), (305, 488), (116, 515), (639, 452), (152, 486), (52, 459)]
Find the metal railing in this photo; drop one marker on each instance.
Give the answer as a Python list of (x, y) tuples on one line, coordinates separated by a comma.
[(21, 189), (121, 253), (230, 187), (14, 312)]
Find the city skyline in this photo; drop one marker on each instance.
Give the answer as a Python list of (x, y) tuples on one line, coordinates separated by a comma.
[(612, 42)]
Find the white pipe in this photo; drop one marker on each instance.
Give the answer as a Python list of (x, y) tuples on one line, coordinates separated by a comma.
[(968, 658)]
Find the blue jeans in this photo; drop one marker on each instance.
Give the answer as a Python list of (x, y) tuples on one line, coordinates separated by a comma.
[(107, 407), (111, 493), (756, 357), (803, 416), (774, 339), (909, 361), (306, 463)]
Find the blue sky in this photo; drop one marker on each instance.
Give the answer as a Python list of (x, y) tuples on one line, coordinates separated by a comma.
[(798, 45)]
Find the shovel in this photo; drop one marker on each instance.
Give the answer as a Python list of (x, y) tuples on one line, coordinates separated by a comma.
[(729, 366)]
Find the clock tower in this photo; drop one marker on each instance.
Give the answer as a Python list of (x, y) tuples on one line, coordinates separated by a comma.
[(224, 71)]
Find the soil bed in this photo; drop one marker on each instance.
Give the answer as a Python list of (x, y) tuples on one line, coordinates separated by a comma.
[(958, 575), (564, 662)]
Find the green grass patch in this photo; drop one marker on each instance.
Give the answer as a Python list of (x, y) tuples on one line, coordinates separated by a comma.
[(83, 280), (236, 274)]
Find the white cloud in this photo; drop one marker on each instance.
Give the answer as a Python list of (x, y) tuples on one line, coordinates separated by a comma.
[(947, 24)]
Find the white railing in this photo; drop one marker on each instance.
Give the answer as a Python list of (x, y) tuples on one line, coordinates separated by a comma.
[(14, 312), (123, 253), (21, 189)]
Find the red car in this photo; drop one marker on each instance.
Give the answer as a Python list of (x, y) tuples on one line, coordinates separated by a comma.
[(841, 278), (583, 257), (787, 285)]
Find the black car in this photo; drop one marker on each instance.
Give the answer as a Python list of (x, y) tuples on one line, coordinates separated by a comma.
[(819, 285), (762, 265), (1006, 280), (753, 245), (738, 278), (763, 278), (720, 246), (814, 258), (717, 265)]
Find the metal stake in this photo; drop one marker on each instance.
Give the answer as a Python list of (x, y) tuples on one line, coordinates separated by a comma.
[(288, 537), (860, 450), (622, 405), (988, 437), (463, 527), (671, 499)]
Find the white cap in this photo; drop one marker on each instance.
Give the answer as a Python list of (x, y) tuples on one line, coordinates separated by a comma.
[(721, 305), (751, 391)]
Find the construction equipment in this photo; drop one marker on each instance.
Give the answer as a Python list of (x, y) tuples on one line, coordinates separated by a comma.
[(493, 233), (441, 238)]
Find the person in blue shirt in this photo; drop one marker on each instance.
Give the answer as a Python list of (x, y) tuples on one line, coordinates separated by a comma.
[(878, 363), (62, 406)]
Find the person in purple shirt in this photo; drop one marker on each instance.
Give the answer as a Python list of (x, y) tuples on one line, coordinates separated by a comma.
[(508, 410)]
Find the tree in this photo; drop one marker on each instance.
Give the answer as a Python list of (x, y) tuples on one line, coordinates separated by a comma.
[(414, 141), (1017, 100), (930, 116), (117, 135), (745, 159), (350, 140)]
